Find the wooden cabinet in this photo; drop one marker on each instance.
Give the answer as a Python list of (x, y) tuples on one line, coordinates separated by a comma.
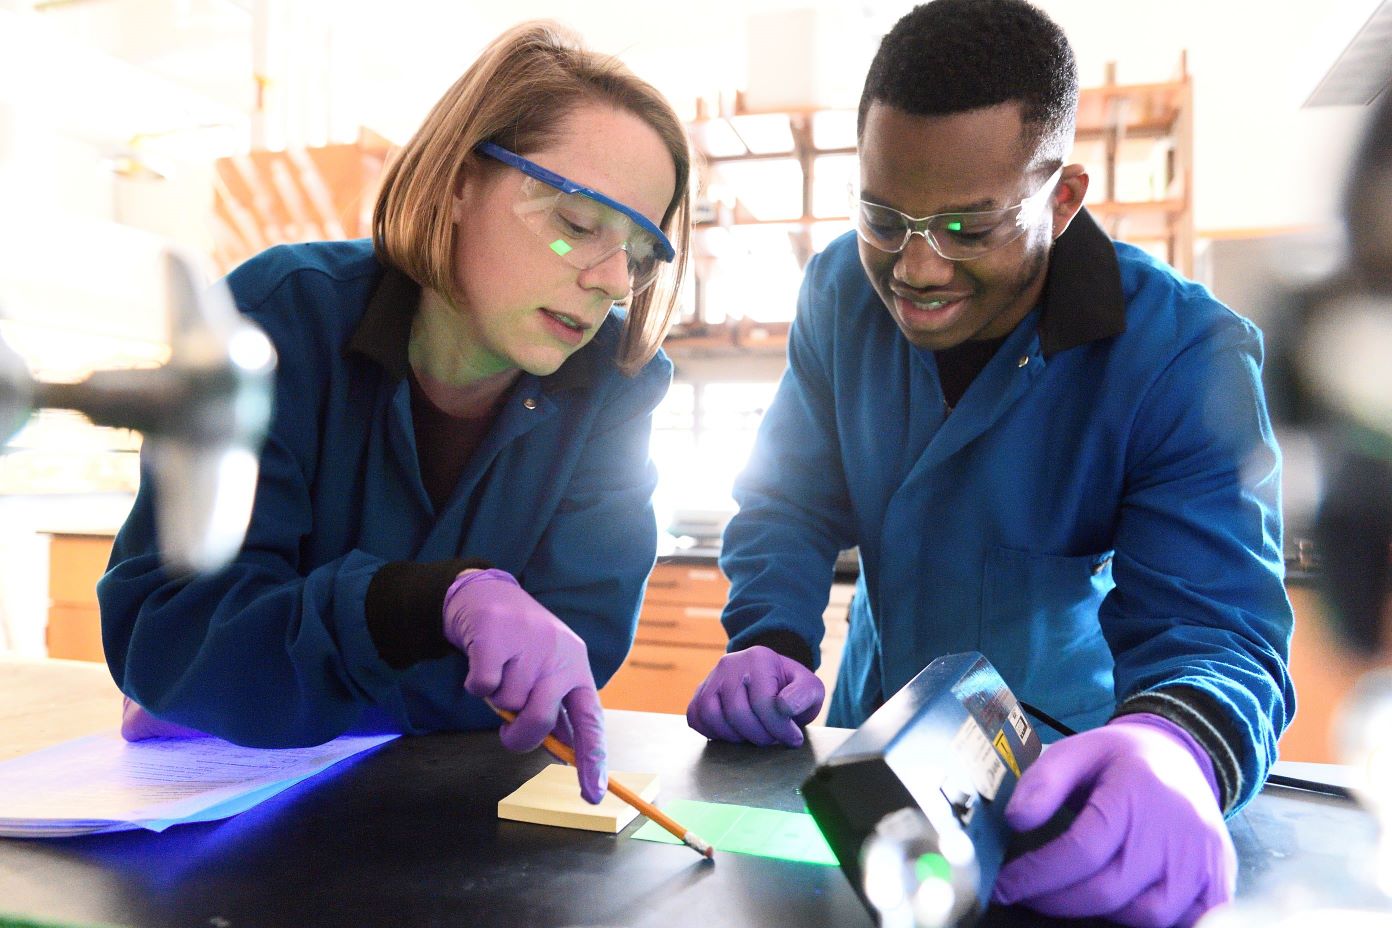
[(679, 640), (1324, 674), (75, 563)]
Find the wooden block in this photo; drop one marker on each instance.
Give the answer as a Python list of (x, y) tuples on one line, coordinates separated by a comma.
[(552, 797)]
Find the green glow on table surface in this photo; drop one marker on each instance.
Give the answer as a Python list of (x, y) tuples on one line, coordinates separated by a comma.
[(746, 830)]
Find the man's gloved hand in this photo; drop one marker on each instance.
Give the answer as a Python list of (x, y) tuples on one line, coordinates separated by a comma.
[(139, 725), (1149, 847), (756, 695), (524, 659)]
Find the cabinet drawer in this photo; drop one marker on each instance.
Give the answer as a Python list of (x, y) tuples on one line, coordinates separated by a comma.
[(687, 584), (669, 623), (659, 678), (75, 564), (74, 632)]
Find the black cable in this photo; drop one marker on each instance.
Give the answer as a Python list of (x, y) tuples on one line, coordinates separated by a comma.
[(1049, 720), (1312, 786), (1275, 779)]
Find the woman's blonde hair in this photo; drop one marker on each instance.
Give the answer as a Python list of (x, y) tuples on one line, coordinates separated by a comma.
[(517, 94)]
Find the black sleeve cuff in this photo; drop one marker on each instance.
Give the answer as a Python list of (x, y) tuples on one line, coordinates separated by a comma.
[(1203, 718), (405, 609), (789, 644)]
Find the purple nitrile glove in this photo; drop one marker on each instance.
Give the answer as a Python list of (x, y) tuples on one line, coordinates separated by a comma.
[(1149, 847), (756, 695), (524, 659), (139, 725)]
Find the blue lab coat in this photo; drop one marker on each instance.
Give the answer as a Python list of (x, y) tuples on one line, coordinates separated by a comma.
[(1099, 515), (275, 649)]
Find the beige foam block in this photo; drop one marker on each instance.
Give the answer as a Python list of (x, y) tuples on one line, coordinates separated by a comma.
[(552, 797)]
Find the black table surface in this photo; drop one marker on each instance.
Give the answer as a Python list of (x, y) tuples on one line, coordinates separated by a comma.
[(408, 835)]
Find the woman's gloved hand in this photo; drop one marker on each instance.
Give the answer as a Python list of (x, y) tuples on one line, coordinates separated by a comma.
[(139, 725), (756, 695), (524, 659), (1149, 847)]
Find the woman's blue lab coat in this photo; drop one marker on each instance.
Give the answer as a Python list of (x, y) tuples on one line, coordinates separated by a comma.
[(275, 649)]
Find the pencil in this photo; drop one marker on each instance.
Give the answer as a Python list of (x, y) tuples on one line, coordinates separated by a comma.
[(564, 752)]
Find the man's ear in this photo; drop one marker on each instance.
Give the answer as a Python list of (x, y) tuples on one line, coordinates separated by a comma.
[(1068, 196)]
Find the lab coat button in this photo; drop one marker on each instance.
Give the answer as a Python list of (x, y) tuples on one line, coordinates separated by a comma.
[(1024, 359), (529, 403)]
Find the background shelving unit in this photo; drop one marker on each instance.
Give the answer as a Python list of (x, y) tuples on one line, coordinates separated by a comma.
[(1136, 140)]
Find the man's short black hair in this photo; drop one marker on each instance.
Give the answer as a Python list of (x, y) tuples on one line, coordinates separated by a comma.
[(950, 56)]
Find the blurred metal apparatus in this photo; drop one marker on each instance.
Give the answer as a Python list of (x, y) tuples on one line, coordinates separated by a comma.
[(1344, 357), (919, 869), (913, 803), (1344, 366), (204, 415), (1343, 363)]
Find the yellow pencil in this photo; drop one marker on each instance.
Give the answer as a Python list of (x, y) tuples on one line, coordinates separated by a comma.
[(565, 753)]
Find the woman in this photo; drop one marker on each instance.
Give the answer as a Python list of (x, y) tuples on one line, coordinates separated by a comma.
[(455, 498)]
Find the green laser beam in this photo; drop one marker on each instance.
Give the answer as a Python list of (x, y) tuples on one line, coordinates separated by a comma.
[(746, 830)]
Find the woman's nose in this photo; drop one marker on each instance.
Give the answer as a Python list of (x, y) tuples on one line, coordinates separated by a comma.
[(611, 276)]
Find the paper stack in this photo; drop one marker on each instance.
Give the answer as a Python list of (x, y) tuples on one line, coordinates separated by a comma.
[(102, 783)]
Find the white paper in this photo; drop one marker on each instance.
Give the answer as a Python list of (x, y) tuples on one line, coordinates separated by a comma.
[(103, 783)]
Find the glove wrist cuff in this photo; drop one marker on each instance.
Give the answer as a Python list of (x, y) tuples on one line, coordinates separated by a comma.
[(492, 573), (1183, 737)]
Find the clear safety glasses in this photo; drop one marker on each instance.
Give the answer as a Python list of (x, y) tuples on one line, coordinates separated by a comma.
[(583, 226), (955, 236)]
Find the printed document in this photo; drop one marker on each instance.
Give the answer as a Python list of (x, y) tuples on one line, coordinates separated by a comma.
[(103, 783)]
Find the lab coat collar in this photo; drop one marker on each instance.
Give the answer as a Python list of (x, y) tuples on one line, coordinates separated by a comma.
[(1083, 299)]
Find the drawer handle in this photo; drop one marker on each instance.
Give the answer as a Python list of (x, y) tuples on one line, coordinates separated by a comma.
[(649, 665), (660, 623)]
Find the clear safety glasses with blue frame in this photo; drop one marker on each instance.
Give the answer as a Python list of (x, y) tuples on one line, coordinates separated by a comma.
[(583, 226)]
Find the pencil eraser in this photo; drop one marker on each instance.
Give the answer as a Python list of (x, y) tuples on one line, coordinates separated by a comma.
[(552, 797)]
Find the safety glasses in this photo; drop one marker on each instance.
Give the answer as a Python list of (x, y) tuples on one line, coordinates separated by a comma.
[(583, 226), (955, 236)]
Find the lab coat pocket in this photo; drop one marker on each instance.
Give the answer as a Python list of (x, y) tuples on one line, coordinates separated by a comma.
[(1039, 628)]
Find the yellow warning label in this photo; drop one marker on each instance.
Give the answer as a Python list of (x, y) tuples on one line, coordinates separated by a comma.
[(1007, 755)]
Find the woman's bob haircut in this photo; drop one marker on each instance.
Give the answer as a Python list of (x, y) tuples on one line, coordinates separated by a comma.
[(516, 95)]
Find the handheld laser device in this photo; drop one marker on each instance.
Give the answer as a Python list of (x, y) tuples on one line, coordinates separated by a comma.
[(913, 803)]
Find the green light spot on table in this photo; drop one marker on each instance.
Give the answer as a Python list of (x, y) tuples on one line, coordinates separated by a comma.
[(745, 830), (932, 866), (20, 921), (561, 247)]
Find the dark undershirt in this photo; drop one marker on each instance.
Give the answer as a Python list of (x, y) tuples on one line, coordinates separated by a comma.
[(959, 365), (444, 443)]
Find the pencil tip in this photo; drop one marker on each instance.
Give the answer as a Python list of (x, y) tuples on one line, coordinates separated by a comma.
[(698, 845)]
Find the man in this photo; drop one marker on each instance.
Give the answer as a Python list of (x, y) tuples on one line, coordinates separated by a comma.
[(1048, 447)]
